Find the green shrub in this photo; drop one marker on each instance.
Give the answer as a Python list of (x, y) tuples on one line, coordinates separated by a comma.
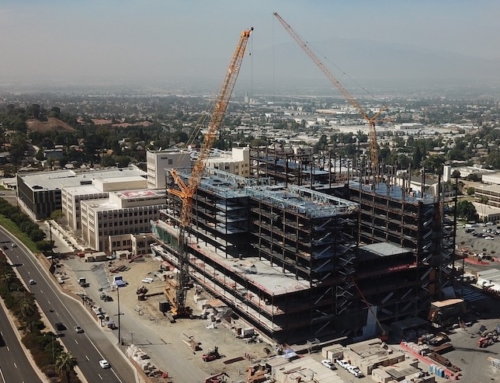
[(41, 358), (50, 371), (30, 340)]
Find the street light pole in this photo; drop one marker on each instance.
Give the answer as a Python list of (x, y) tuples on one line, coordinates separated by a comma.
[(119, 316)]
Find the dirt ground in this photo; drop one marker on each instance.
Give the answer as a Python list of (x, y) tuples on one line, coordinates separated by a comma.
[(147, 314)]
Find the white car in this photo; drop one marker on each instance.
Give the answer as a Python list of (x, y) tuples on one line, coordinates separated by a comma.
[(355, 371), (489, 237), (104, 363), (32, 282), (328, 364), (342, 363)]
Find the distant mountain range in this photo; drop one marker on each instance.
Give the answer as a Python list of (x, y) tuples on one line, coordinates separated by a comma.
[(375, 63)]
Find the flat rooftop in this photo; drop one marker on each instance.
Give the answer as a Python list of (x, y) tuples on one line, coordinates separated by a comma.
[(382, 249), (394, 192), (134, 194), (82, 190), (492, 188), (257, 272), (300, 199), (484, 209), (66, 178)]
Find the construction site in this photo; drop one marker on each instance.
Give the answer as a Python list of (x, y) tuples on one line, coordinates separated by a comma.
[(300, 250), (298, 263)]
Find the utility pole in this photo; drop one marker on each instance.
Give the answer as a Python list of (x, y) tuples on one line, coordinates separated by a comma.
[(119, 316)]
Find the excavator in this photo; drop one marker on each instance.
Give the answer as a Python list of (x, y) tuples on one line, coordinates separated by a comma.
[(175, 289)]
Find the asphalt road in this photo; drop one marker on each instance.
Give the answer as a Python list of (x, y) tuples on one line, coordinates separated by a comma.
[(89, 347), (14, 366)]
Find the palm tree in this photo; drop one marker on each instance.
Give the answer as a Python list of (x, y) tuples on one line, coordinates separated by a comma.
[(7, 277), (27, 309), (65, 363)]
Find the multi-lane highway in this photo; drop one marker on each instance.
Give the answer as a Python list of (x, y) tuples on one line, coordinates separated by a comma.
[(14, 366), (88, 347)]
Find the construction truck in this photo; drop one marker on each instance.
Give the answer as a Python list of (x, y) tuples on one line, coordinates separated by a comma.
[(217, 378), (211, 355), (440, 338)]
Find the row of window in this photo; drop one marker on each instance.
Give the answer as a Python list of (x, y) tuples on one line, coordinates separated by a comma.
[(123, 223), (142, 229), (126, 214)]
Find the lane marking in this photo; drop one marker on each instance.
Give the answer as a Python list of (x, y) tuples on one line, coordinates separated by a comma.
[(58, 297), (99, 375), (87, 358), (76, 341), (15, 365)]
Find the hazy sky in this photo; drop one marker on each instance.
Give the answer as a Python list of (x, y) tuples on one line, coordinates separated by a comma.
[(132, 39)]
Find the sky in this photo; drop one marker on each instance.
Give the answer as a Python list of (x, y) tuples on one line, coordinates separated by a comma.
[(130, 40)]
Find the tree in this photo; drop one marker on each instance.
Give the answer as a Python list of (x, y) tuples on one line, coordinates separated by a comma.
[(18, 146), (467, 211), (65, 363), (471, 190), (7, 278), (27, 309), (40, 155), (474, 177), (417, 158), (434, 162), (56, 215), (35, 109), (484, 200), (55, 111)]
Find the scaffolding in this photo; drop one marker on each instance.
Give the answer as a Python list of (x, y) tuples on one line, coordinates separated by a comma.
[(414, 221), (281, 257), (286, 247)]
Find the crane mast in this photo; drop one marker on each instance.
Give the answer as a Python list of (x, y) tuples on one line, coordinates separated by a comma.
[(186, 191), (343, 91)]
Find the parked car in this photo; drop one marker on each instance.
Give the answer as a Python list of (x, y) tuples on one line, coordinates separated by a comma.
[(342, 363), (328, 364), (355, 371)]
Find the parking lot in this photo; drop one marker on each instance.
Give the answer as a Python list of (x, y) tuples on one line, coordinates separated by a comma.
[(479, 243)]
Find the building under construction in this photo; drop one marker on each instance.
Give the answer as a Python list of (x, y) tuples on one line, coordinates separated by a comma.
[(313, 260), (283, 258)]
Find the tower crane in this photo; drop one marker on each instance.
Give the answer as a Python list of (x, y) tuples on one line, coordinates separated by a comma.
[(371, 120), (177, 294)]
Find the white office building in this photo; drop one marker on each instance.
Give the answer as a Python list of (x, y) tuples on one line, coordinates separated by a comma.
[(107, 220), (158, 161), (91, 189), (237, 161)]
